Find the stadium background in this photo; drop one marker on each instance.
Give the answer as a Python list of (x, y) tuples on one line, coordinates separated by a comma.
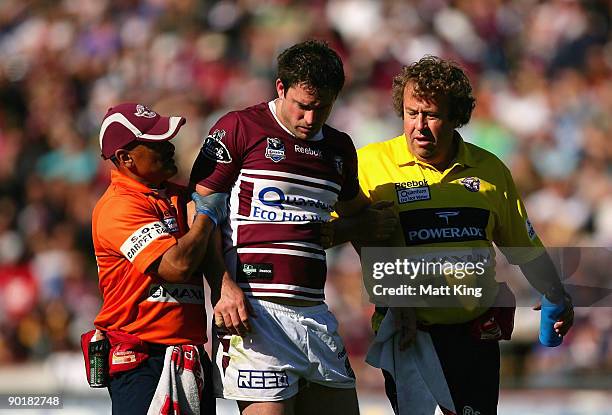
[(541, 71)]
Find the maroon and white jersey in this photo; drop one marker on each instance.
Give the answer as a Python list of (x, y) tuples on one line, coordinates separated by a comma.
[(281, 189)]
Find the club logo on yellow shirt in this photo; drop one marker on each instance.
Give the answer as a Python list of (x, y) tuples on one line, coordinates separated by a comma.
[(471, 183)]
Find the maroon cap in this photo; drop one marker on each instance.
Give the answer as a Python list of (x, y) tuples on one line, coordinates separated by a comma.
[(129, 122)]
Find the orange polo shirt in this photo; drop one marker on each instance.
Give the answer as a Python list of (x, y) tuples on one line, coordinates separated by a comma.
[(132, 226)]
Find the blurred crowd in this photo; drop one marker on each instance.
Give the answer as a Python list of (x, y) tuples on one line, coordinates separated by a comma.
[(542, 77)]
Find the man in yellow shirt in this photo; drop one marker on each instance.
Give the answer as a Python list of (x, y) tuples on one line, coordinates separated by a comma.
[(449, 193)]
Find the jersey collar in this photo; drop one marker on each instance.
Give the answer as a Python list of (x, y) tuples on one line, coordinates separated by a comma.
[(120, 179), (403, 156), (464, 157)]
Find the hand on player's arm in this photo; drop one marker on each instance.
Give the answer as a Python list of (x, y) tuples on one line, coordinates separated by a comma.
[(180, 261), (360, 222), (542, 275), (232, 309)]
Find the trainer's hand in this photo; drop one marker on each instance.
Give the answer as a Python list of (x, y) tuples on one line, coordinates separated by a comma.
[(566, 319), (233, 309), (380, 221), (404, 319), (214, 206)]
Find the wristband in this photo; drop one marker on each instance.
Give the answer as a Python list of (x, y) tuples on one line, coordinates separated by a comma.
[(549, 314)]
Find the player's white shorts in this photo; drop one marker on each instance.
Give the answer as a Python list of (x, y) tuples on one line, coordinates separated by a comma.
[(286, 344)]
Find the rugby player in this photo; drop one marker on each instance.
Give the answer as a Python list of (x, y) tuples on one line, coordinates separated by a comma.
[(449, 193), (286, 170)]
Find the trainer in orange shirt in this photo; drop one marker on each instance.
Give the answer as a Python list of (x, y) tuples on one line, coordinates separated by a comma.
[(147, 259)]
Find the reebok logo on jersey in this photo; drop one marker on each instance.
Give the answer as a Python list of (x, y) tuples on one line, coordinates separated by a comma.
[(410, 184), (214, 149), (141, 238), (308, 151), (262, 379), (412, 191), (176, 293)]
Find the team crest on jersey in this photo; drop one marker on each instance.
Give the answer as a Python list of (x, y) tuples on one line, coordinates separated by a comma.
[(143, 111), (214, 149), (275, 150), (471, 183), (339, 164)]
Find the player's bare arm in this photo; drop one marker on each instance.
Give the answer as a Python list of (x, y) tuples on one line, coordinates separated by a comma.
[(180, 261), (231, 307)]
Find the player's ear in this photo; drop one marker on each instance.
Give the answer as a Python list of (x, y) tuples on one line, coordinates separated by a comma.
[(124, 157), (280, 88)]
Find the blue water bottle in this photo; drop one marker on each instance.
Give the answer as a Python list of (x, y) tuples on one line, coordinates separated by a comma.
[(548, 317)]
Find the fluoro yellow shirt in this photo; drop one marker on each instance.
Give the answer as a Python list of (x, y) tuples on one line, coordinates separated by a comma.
[(473, 203)]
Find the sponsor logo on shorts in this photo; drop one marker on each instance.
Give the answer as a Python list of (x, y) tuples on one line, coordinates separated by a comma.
[(471, 183), (258, 271), (141, 238), (176, 293), (530, 231), (275, 150), (262, 379), (468, 410), (214, 149), (412, 191)]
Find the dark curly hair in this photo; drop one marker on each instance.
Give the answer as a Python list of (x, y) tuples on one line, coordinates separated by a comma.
[(312, 63), (432, 77)]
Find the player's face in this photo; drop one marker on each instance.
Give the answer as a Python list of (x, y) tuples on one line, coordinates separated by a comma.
[(153, 162), (302, 110), (429, 131)]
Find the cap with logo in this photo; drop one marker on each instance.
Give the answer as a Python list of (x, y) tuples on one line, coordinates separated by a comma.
[(129, 122)]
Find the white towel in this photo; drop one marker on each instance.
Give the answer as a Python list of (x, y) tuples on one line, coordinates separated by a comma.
[(180, 386), (417, 372)]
